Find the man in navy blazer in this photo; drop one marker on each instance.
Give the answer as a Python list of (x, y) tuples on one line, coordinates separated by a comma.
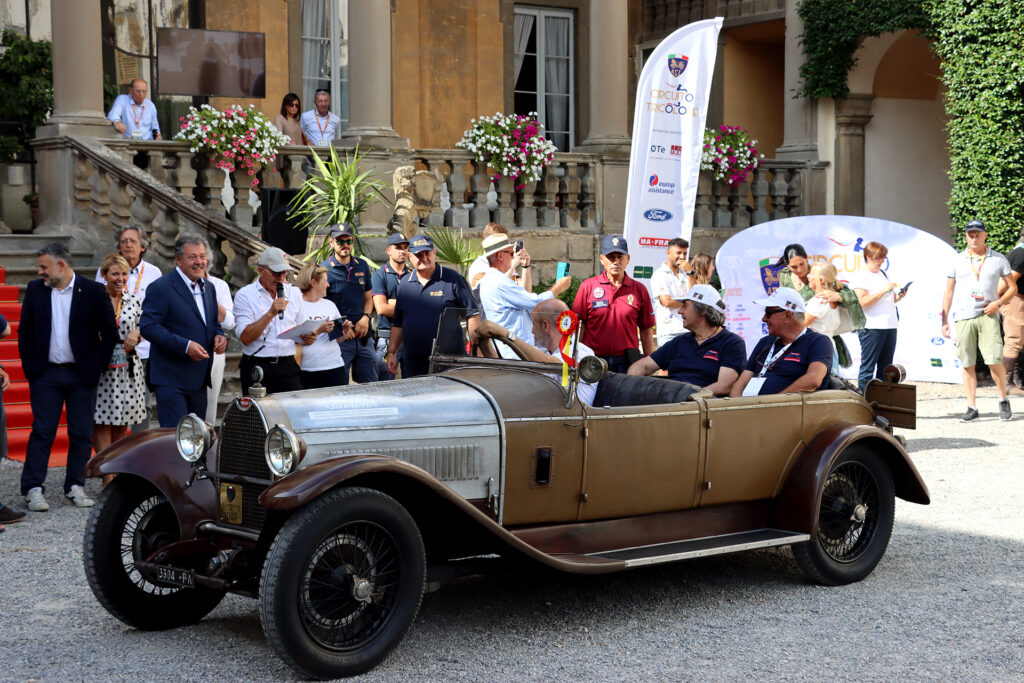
[(179, 318), (66, 338)]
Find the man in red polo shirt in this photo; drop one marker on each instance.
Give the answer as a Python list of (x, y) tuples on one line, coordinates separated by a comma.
[(612, 307)]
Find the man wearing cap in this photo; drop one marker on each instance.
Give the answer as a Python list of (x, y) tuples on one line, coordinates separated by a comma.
[(708, 355), (262, 313), (613, 307), (974, 278), (384, 288), (792, 358), (504, 301), (422, 297), (668, 283), (349, 288), (179, 318)]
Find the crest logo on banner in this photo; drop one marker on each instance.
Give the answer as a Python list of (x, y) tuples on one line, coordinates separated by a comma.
[(677, 65), (770, 276)]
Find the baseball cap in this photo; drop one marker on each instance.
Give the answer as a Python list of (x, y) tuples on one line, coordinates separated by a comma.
[(421, 243), (785, 298), (492, 244), (703, 294), (614, 243), (397, 238), (340, 229), (975, 225), (274, 259)]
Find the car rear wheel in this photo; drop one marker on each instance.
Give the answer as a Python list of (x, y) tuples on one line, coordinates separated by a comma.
[(342, 583), (131, 521), (854, 520)]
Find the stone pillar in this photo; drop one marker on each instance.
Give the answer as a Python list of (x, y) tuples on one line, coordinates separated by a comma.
[(852, 114), (609, 92), (800, 122), (369, 81), (78, 66)]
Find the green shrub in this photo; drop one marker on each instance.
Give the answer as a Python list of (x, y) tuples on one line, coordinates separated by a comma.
[(568, 296)]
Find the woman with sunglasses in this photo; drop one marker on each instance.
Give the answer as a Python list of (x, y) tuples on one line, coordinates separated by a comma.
[(288, 120)]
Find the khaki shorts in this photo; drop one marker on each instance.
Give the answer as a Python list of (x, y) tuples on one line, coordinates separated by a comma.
[(1013, 326), (979, 334)]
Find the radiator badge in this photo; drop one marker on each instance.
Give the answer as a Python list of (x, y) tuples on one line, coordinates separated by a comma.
[(231, 503)]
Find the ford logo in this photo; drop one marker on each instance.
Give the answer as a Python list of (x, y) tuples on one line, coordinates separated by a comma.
[(938, 341), (657, 215)]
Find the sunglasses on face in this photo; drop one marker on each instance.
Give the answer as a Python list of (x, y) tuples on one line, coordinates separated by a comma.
[(768, 312), (348, 241)]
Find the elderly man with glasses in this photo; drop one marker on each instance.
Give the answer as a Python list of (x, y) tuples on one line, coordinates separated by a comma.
[(318, 124), (792, 358)]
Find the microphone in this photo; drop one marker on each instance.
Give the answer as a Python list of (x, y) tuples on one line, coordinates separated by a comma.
[(280, 295)]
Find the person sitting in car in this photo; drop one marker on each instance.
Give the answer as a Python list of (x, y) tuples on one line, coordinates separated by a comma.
[(792, 358), (545, 334), (708, 355)]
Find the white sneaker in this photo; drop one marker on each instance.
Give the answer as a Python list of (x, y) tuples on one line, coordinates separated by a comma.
[(35, 500), (77, 496)]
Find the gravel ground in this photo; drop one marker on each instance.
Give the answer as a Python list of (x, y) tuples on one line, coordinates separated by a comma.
[(945, 602)]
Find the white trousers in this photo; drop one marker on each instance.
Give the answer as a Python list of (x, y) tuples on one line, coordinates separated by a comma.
[(216, 380)]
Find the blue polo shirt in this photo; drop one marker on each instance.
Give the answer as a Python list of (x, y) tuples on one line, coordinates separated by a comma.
[(385, 281), (418, 308), (688, 361), (348, 284), (792, 365)]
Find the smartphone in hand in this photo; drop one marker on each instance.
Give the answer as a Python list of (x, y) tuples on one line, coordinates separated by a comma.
[(519, 246), (563, 270), (903, 290)]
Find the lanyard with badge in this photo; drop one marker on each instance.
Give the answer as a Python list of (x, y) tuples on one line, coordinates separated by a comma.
[(753, 387), (138, 280), (323, 140), (119, 359), (978, 291), (137, 131)]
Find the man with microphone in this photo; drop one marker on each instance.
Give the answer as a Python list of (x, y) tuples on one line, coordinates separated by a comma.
[(263, 310)]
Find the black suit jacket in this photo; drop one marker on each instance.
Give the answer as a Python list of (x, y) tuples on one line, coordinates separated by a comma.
[(91, 329)]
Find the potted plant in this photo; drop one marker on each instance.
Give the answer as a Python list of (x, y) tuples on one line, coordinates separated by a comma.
[(513, 146), (235, 139), (337, 192), (729, 153)]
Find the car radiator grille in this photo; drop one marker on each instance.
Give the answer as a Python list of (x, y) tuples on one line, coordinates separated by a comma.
[(241, 455)]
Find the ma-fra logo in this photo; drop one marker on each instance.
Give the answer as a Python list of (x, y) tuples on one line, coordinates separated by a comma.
[(653, 241), (677, 65)]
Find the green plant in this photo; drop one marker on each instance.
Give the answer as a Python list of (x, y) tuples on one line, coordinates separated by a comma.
[(234, 138), (109, 92), (337, 192), (512, 144), (26, 81), (454, 249), (568, 296)]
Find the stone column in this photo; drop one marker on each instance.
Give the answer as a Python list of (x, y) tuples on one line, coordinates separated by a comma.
[(369, 81), (78, 65), (800, 122), (609, 93), (852, 114)]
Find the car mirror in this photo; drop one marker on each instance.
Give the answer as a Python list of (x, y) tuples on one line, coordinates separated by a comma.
[(592, 369)]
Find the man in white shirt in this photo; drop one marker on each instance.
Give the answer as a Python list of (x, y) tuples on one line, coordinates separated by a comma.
[(142, 274), (263, 310), (505, 302), (520, 258), (319, 124), (668, 285), (226, 316), (134, 116)]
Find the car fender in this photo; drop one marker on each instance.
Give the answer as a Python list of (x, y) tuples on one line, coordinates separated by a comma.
[(798, 504), (304, 486), (152, 455)]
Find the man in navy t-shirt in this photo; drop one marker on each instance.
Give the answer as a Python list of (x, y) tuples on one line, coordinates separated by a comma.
[(707, 355), (792, 358)]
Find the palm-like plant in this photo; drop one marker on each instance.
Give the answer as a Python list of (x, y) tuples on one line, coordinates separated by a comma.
[(336, 193), (454, 249)]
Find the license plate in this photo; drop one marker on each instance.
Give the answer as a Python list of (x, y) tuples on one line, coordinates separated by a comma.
[(231, 503), (175, 576)]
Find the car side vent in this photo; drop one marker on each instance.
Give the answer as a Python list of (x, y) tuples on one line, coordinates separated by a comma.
[(447, 463)]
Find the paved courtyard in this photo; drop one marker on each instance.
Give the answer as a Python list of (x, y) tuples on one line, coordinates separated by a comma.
[(945, 602)]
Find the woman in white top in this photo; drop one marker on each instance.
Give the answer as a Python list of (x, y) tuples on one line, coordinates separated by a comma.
[(321, 364), (878, 298)]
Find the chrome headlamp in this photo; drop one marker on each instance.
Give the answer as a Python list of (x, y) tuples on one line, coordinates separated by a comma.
[(282, 449), (193, 438)]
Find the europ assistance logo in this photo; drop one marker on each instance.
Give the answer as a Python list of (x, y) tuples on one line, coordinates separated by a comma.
[(657, 186)]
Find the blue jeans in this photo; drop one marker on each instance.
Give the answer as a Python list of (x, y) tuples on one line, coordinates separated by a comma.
[(382, 357), (54, 388), (361, 357), (876, 351)]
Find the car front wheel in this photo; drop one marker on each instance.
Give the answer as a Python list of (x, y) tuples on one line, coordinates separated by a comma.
[(854, 520), (342, 583), (131, 521)]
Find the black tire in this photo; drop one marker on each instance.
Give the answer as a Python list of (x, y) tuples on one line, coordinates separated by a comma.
[(130, 521), (342, 583), (854, 520)]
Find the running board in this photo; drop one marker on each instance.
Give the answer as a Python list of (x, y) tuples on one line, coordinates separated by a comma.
[(701, 547)]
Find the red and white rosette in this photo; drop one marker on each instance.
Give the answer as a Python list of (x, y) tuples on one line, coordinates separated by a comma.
[(567, 323)]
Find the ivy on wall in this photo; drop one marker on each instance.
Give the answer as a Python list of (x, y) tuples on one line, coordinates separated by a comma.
[(981, 46)]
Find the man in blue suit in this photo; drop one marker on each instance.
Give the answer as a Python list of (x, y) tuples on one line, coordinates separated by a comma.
[(179, 318), (66, 337)]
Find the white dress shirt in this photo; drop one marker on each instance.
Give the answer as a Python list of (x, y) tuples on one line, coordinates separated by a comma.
[(196, 288), (319, 130), (60, 321), (669, 320), (251, 302), (224, 299), (139, 279)]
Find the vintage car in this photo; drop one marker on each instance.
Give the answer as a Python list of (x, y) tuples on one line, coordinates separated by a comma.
[(334, 508)]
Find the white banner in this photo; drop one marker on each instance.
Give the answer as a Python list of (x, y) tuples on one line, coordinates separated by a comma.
[(668, 135), (744, 267)]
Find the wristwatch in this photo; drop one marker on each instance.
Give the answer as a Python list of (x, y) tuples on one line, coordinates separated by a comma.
[(511, 337)]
